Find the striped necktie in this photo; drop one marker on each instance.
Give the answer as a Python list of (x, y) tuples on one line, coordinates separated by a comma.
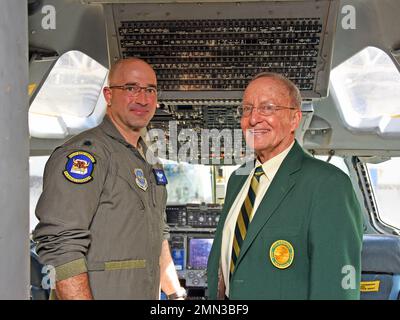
[(244, 217)]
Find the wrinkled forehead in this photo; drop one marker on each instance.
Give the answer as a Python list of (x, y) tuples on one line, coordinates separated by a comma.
[(266, 90)]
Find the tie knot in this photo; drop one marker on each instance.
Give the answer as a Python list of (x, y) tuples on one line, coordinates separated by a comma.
[(259, 171)]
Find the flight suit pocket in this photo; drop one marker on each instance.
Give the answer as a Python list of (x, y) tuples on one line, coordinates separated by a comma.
[(129, 180), (159, 195)]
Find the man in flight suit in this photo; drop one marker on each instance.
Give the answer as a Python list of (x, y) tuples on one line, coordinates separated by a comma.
[(102, 210)]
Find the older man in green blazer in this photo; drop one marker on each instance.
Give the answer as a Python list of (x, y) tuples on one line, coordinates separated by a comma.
[(291, 228)]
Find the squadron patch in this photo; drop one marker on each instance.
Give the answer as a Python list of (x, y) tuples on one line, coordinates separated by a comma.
[(79, 167), (281, 254), (141, 181)]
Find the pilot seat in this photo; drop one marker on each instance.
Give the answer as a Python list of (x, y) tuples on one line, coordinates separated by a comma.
[(380, 264)]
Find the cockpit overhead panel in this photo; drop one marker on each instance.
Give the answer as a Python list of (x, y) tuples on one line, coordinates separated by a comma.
[(211, 50)]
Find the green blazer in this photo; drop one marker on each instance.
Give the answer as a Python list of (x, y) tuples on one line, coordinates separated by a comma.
[(311, 205)]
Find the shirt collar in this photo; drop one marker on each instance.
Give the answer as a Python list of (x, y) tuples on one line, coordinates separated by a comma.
[(111, 130), (271, 166)]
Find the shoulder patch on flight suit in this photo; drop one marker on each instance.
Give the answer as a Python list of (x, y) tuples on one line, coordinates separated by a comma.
[(281, 254), (141, 180), (79, 167)]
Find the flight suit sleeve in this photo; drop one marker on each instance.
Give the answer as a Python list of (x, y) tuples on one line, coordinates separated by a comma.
[(335, 240), (65, 211), (166, 228)]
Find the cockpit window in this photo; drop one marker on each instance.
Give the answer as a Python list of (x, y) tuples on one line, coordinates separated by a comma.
[(367, 87), (36, 170), (385, 181), (188, 183), (70, 99), (337, 162)]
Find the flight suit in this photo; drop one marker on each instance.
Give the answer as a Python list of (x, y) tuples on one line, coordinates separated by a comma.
[(102, 211)]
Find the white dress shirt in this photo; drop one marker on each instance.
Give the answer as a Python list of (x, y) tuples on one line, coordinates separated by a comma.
[(270, 168)]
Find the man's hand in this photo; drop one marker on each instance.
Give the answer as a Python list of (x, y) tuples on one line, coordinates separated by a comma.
[(74, 288), (180, 294), (169, 278)]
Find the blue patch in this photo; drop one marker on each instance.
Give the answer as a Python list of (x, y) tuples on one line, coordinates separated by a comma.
[(161, 178), (79, 167), (141, 181)]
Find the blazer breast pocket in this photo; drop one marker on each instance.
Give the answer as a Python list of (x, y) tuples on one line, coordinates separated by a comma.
[(281, 246)]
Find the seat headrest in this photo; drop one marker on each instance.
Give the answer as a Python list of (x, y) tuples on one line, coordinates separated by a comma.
[(381, 253)]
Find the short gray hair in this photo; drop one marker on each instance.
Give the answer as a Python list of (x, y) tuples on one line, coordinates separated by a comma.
[(294, 92)]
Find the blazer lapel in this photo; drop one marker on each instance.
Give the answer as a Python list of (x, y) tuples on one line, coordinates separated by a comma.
[(280, 186)]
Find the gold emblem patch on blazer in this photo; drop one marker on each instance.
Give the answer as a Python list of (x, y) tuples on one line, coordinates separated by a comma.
[(281, 254)]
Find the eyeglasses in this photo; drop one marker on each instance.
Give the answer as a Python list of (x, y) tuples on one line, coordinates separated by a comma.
[(133, 90), (264, 109)]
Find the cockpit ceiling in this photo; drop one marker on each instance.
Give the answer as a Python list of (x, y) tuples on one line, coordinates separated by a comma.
[(211, 50), (208, 75)]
